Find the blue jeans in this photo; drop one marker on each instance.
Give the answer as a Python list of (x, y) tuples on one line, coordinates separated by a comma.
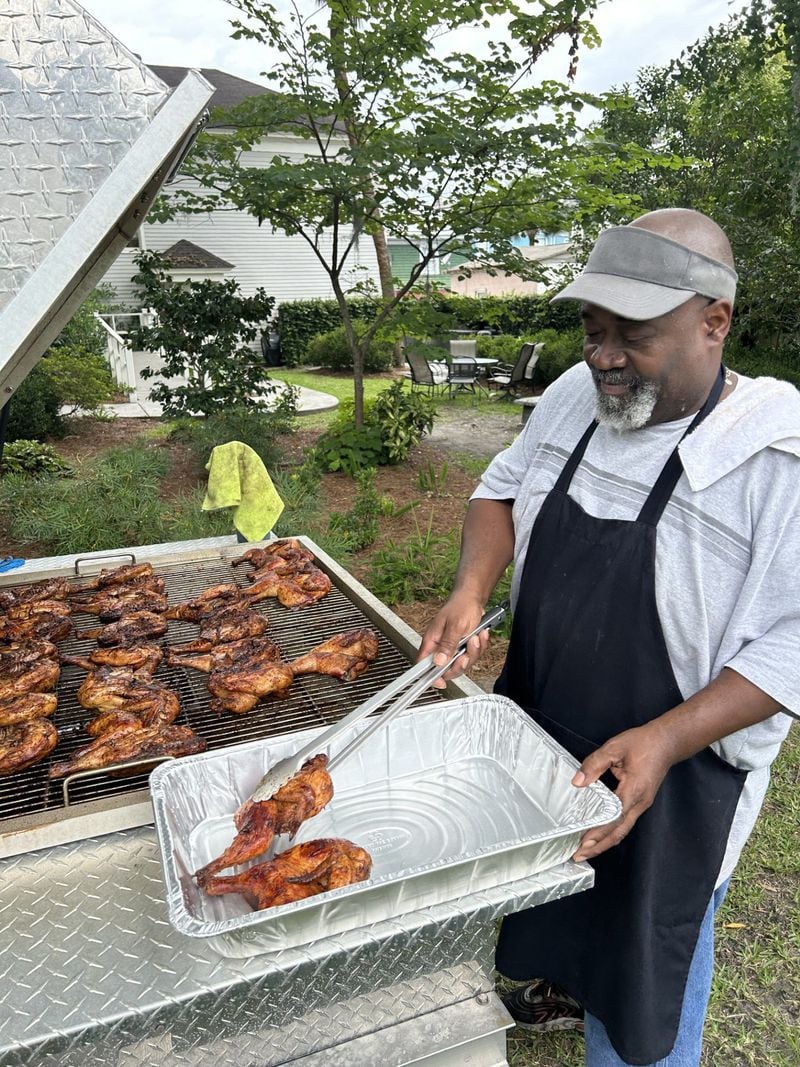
[(688, 1044)]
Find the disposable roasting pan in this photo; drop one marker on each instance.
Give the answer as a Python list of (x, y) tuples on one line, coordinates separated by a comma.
[(450, 799)]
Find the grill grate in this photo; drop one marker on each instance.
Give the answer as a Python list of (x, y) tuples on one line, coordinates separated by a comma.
[(312, 700)]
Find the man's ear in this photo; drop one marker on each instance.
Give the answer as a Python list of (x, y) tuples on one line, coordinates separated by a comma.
[(717, 320)]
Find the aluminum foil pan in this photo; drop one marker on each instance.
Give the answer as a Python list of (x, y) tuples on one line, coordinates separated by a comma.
[(448, 800)]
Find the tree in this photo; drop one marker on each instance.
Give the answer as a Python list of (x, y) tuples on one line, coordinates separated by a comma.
[(444, 150), (204, 332), (726, 106)]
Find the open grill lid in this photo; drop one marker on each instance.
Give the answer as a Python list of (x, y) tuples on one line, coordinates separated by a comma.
[(88, 136)]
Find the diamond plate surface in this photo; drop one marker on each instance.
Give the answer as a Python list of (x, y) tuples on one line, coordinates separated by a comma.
[(72, 102), (92, 973)]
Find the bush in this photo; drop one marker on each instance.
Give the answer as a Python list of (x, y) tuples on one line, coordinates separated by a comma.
[(299, 321), (403, 417), (80, 378), (33, 414), (330, 350), (349, 448), (561, 351), (32, 458), (504, 347), (257, 428)]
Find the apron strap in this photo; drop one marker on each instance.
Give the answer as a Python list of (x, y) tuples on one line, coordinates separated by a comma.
[(569, 468), (665, 483)]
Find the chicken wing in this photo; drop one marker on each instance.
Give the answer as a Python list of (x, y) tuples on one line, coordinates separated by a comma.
[(111, 604), (259, 557), (302, 871), (25, 743), (129, 744), (257, 822), (131, 629), (344, 656), (284, 588), (27, 707), (230, 624)]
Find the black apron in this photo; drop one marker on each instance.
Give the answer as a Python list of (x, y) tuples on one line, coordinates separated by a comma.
[(587, 659)]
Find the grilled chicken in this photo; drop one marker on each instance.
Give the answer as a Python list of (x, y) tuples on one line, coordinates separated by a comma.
[(29, 608), (25, 743), (230, 624), (143, 659), (131, 629), (239, 688), (257, 822), (253, 650), (27, 707), (131, 572), (111, 604), (128, 744), (48, 589), (45, 627), (206, 604), (302, 871), (112, 721), (113, 688), (283, 587), (30, 651), (288, 549), (37, 677), (344, 656)]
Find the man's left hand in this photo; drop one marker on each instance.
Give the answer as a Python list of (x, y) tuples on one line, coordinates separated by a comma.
[(639, 759)]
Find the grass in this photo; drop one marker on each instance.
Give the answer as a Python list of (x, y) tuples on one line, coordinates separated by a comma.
[(755, 1002)]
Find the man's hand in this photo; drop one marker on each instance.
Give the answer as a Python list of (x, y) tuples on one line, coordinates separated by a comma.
[(460, 614), (639, 759)]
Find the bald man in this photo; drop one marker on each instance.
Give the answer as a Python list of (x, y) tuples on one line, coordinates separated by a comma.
[(652, 509)]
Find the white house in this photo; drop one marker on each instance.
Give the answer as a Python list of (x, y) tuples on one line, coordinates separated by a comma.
[(552, 252), (256, 256)]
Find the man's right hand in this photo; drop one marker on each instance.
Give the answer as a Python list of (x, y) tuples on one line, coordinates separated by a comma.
[(460, 614)]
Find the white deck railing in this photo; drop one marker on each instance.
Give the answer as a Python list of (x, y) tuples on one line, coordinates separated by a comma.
[(118, 355)]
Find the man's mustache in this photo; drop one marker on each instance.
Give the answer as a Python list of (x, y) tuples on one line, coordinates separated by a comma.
[(615, 377)]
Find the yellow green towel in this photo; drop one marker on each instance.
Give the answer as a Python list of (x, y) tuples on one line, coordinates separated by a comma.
[(238, 479)]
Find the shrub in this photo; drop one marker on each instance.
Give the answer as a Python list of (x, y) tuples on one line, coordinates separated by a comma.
[(33, 414), (83, 331), (403, 416), (80, 378), (561, 351), (257, 428), (204, 331), (349, 448), (330, 350), (299, 321), (32, 458)]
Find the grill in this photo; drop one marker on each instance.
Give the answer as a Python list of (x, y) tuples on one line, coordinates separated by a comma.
[(30, 800)]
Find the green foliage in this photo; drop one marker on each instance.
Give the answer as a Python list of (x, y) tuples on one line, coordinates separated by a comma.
[(256, 427), (561, 351), (431, 480), (32, 458), (727, 104), (301, 320), (331, 351), (498, 152), (80, 378), (83, 331), (394, 423), (503, 346), (204, 331), (514, 317), (359, 526), (34, 409), (403, 416), (184, 519), (112, 503), (300, 491)]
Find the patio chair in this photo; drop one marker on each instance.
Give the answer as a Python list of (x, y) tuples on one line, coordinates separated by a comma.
[(508, 378), (425, 374), (463, 375)]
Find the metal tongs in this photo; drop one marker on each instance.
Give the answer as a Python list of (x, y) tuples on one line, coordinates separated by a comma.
[(411, 684)]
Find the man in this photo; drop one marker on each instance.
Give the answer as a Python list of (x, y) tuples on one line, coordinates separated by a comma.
[(652, 508)]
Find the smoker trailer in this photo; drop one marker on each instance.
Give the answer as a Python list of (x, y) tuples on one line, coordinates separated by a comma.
[(93, 972)]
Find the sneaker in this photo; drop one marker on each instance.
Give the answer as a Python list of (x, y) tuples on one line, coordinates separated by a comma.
[(543, 1006)]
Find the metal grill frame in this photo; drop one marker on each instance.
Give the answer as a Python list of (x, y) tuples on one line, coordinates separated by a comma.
[(105, 803)]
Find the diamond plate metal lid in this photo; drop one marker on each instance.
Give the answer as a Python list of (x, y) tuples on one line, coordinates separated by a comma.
[(88, 135)]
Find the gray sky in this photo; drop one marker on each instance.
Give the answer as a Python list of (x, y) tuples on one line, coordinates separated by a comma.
[(196, 33)]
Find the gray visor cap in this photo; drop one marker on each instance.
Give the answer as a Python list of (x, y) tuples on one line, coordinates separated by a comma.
[(639, 275)]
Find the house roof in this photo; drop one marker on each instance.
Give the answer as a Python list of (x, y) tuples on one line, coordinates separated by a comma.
[(190, 256), (230, 90), (537, 253)]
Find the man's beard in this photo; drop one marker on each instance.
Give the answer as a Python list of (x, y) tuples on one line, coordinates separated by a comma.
[(629, 412)]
